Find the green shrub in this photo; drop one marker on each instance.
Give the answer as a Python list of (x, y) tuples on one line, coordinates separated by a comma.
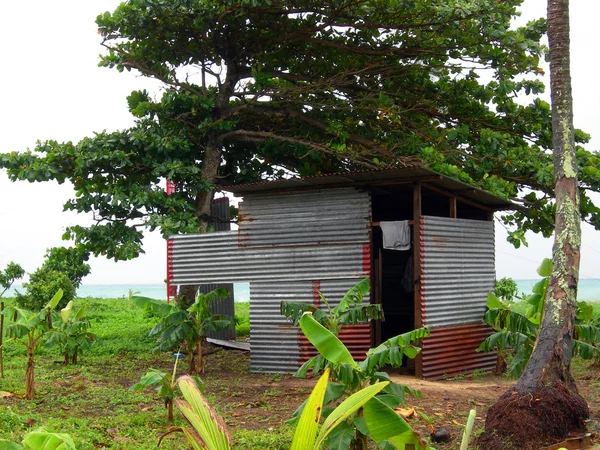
[(43, 284), (506, 288), (70, 261), (242, 319)]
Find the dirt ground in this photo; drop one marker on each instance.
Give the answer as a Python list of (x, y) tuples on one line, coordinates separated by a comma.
[(266, 401)]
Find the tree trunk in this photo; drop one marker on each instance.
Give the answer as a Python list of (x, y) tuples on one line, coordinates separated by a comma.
[(186, 296), (170, 410), (199, 366), (29, 374), (74, 360), (545, 406), (66, 358), (210, 172), (1, 339)]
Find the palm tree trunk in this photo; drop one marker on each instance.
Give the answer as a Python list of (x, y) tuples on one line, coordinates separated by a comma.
[(526, 416)]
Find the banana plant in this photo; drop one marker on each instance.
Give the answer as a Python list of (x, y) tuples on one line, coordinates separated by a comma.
[(189, 326), (349, 311), (165, 385), (209, 432), (30, 328), (516, 325), (72, 335), (350, 377), (41, 439), (8, 276)]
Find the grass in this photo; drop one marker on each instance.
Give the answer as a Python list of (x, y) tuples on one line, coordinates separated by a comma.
[(92, 401), (242, 319)]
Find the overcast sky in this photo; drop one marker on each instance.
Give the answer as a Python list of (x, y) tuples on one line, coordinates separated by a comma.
[(51, 88)]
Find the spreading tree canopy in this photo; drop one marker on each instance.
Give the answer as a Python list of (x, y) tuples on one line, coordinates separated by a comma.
[(260, 88)]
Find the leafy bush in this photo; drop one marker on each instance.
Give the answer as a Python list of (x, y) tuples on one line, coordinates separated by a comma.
[(72, 334), (42, 285), (70, 261), (506, 288), (9, 275)]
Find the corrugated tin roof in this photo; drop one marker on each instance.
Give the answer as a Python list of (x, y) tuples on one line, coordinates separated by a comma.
[(378, 177)]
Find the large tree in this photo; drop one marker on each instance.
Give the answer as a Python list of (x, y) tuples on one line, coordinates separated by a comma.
[(545, 406), (258, 88)]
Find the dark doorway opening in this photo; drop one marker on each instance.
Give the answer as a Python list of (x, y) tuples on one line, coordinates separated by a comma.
[(393, 283)]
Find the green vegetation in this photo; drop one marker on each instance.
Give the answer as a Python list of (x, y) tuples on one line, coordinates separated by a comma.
[(187, 325), (92, 401), (376, 420), (63, 268), (30, 328), (242, 319), (349, 311), (517, 324)]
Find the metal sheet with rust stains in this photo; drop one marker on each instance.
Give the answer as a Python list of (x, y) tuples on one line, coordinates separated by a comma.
[(288, 247), (450, 351), (279, 346)]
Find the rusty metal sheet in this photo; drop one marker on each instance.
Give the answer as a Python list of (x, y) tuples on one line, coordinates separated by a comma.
[(450, 351)]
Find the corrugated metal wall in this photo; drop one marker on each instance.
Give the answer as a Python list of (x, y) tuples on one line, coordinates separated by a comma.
[(215, 257), (357, 338), (457, 272), (273, 339), (286, 243), (450, 351), (225, 306), (457, 269), (312, 217)]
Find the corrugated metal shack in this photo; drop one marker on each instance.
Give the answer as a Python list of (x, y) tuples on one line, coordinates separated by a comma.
[(299, 237)]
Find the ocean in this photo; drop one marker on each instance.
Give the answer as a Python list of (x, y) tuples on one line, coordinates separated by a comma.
[(589, 290)]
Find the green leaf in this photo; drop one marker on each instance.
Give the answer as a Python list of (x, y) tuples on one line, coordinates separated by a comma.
[(308, 425), (202, 418), (341, 437), (66, 312), (43, 440), (383, 423), (324, 341), (545, 268), (55, 299), (347, 408), (493, 301), (6, 445)]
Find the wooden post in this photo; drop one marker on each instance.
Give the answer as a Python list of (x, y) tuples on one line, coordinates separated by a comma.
[(453, 207), (417, 269)]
